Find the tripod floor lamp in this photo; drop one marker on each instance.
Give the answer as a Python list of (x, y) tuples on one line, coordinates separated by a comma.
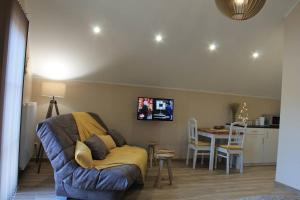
[(51, 90)]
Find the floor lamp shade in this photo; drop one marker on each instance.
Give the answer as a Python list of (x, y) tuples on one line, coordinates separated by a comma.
[(53, 89)]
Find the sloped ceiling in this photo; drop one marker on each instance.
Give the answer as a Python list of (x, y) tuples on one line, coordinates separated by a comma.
[(63, 46)]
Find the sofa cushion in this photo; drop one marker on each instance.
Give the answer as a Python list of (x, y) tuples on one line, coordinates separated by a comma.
[(99, 120), (97, 147), (110, 179), (117, 137), (125, 155), (109, 142), (87, 125), (83, 155)]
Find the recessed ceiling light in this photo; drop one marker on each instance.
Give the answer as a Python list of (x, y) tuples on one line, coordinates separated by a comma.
[(255, 55), (159, 38), (212, 47), (97, 29)]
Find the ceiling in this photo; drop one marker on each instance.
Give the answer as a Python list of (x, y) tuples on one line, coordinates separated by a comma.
[(63, 46)]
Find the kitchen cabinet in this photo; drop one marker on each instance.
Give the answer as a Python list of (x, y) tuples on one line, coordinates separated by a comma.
[(253, 146), (260, 146), (270, 146)]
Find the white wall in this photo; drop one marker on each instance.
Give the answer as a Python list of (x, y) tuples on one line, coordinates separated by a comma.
[(288, 164)]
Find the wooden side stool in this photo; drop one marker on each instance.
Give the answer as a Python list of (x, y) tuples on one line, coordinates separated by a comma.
[(164, 157), (151, 152), (164, 151)]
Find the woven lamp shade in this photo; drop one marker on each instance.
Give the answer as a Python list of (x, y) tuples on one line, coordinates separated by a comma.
[(240, 9)]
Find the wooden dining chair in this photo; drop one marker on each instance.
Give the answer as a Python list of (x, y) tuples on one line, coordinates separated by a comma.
[(234, 147), (194, 143)]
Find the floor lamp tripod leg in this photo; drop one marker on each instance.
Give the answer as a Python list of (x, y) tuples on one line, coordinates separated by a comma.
[(41, 149)]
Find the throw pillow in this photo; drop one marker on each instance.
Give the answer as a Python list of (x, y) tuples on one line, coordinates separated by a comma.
[(117, 137), (109, 142), (97, 147), (83, 155)]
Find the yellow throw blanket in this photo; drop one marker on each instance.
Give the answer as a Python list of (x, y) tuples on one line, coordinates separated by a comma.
[(124, 155), (87, 125)]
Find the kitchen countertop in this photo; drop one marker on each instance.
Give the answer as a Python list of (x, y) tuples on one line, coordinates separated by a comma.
[(259, 126)]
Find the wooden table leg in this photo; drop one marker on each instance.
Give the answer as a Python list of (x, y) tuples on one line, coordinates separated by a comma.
[(169, 163), (158, 178), (212, 153)]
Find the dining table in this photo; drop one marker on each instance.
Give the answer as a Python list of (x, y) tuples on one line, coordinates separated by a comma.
[(213, 135)]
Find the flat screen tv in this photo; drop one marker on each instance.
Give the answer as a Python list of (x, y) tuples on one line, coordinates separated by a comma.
[(151, 109)]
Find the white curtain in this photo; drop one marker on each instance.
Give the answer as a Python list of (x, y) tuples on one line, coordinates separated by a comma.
[(11, 116)]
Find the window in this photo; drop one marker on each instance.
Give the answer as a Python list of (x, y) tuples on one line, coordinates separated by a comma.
[(12, 87)]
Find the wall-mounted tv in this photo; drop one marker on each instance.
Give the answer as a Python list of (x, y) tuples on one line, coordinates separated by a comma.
[(151, 109)]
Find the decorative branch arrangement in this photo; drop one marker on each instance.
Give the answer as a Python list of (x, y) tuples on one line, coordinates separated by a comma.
[(243, 116)]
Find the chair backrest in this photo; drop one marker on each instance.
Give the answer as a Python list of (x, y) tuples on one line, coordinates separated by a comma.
[(237, 134), (192, 130)]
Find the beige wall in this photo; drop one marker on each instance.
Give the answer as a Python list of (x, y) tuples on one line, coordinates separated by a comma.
[(288, 161), (117, 106)]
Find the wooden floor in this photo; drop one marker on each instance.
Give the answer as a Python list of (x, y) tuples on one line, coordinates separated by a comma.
[(188, 184)]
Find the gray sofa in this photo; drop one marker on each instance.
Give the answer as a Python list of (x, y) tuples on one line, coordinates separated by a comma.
[(58, 136)]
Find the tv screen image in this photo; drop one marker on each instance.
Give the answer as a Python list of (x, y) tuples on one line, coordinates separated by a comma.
[(155, 109)]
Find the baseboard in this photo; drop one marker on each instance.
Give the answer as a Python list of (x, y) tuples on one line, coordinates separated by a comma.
[(43, 159), (259, 164), (287, 187)]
